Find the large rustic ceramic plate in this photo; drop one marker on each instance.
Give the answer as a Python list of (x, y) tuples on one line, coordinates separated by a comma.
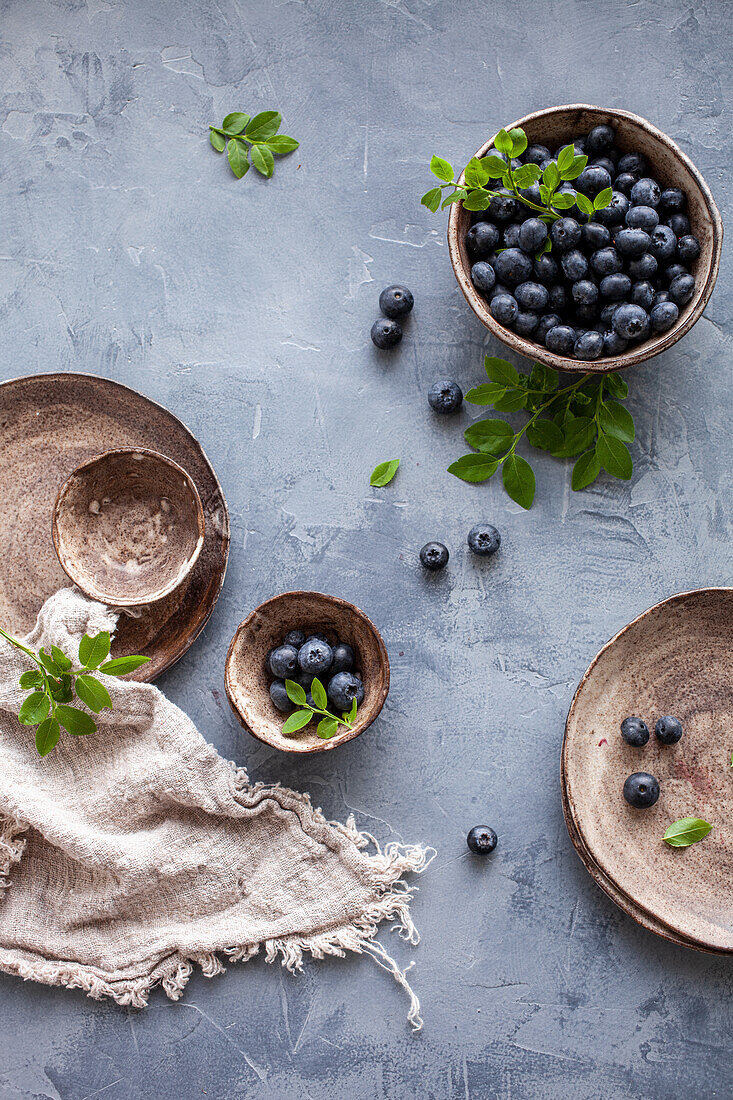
[(51, 423), (676, 658)]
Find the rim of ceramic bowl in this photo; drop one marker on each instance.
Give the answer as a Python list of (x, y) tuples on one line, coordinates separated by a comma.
[(649, 348)]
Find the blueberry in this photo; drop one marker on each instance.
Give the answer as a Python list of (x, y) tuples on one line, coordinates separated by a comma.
[(615, 212), (632, 162), (679, 224), (688, 248), (645, 267), (283, 661), (681, 289), (659, 297), (498, 289), (574, 264), (606, 261), (632, 242), (607, 313), (624, 182), (616, 287), (525, 323), (584, 292), (547, 321), (663, 315), (386, 333), (565, 234), (668, 730), (631, 322), (672, 200), (605, 162), (396, 301), (343, 658), (642, 294), (294, 638), (531, 295), (642, 217), (504, 309), (279, 696), (484, 539), (483, 276), (532, 235), (481, 239), (305, 679), (641, 790), (546, 270), (445, 396), (343, 688), (663, 243), (646, 192), (599, 139), (634, 732), (671, 272), (595, 236), (613, 344), (482, 840), (503, 206), (512, 266), (558, 298), (535, 154), (434, 555), (510, 236), (588, 346), (592, 180), (560, 340), (534, 195), (315, 656)]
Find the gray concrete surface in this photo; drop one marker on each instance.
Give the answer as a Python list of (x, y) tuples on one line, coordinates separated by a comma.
[(129, 250)]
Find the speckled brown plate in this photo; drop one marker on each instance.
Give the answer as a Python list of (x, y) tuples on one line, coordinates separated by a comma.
[(49, 424), (673, 659)]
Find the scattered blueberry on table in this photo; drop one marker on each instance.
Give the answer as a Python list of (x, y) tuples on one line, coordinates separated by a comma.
[(482, 840), (445, 396), (484, 539), (641, 790), (434, 556), (386, 333)]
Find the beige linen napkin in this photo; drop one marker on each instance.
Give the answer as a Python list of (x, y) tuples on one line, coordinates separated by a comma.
[(129, 855)]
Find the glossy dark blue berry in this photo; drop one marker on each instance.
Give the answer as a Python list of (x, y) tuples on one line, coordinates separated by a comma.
[(545, 270), (632, 242), (663, 315), (595, 236), (631, 322), (592, 180), (547, 321), (531, 295), (682, 289), (513, 266), (445, 396), (688, 249), (670, 273), (588, 346), (343, 658), (663, 244), (642, 217), (641, 790), (615, 212), (615, 287), (294, 638), (484, 539), (481, 240), (607, 313), (599, 139), (635, 732), (396, 301), (483, 276), (659, 297), (672, 200), (632, 162), (283, 661), (679, 224), (533, 194), (560, 339), (482, 840), (565, 234), (613, 344), (386, 333), (646, 192), (559, 299), (526, 322), (668, 730), (343, 688), (606, 261), (574, 264), (607, 163), (644, 267), (510, 236), (504, 309), (584, 292), (624, 182), (434, 556), (279, 696), (503, 206), (642, 294), (532, 235), (315, 656), (535, 154)]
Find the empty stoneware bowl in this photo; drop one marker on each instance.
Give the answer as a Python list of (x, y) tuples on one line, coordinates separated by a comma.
[(128, 527), (248, 680), (555, 126)]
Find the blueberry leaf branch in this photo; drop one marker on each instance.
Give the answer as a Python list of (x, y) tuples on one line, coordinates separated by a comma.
[(328, 724), (501, 166), (584, 420), (52, 683), (251, 141)]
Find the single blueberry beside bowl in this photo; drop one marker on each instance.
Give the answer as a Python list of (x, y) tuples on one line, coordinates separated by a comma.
[(434, 556), (484, 539), (445, 396), (482, 840), (635, 732), (396, 301), (668, 730), (385, 333), (641, 790)]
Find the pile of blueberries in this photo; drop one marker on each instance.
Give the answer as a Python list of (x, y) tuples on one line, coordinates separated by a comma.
[(303, 658), (641, 789), (394, 302), (607, 282)]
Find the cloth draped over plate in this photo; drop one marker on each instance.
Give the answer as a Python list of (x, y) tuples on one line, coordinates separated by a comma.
[(130, 855)]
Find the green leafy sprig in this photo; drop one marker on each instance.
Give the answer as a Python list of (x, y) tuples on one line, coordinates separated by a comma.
[(254, 140), (54, 680), (482, 174), (328, 724), (584, 419), (383, 473), (686, 831)]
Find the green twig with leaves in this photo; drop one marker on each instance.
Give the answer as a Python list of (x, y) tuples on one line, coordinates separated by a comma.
[(582, 419), (329, 723), (54, 680), (501, 165), (251, 139)]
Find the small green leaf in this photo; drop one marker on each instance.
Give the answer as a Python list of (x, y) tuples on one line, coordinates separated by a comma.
[(31, 679), (563, 200), (296, 693), (565, 157), (543, 378), (327, 727), (485, 394), (614, 457), (262, 159), (686, 831), (579, 435), (75, 721), (383, 473), (617, 421), (512, 401), (519, 141), (352, 713), (92, 651), (296, 721), (47, 736), (518, 478), (431, 198), (583, 204), (120, 666), (282, 144), (477, 200), (603, 199), (476, 173), (34, 708), (49, 664), (458, 196), (545, 435), (499, 370), (94, 694), (263, 126), (235, 123), (219, 143), (545, 195), (62, 692), (579, 164), (474, 467), (442, 169), (60, 658), (319, 694), (238, 157), (616, 386), (503, 142), (496, 166), (585, 470), (546, 247), (551, 175), (526, 175), (492, 436)]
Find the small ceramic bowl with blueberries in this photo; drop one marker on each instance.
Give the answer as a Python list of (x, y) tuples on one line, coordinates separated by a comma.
[(596, 292), (296, 638)]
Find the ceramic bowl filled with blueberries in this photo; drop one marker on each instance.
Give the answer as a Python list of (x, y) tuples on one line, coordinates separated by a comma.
[(618, 271), (306, 671)]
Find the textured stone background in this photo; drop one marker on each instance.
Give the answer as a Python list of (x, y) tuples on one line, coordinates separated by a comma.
[(129, 250)]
